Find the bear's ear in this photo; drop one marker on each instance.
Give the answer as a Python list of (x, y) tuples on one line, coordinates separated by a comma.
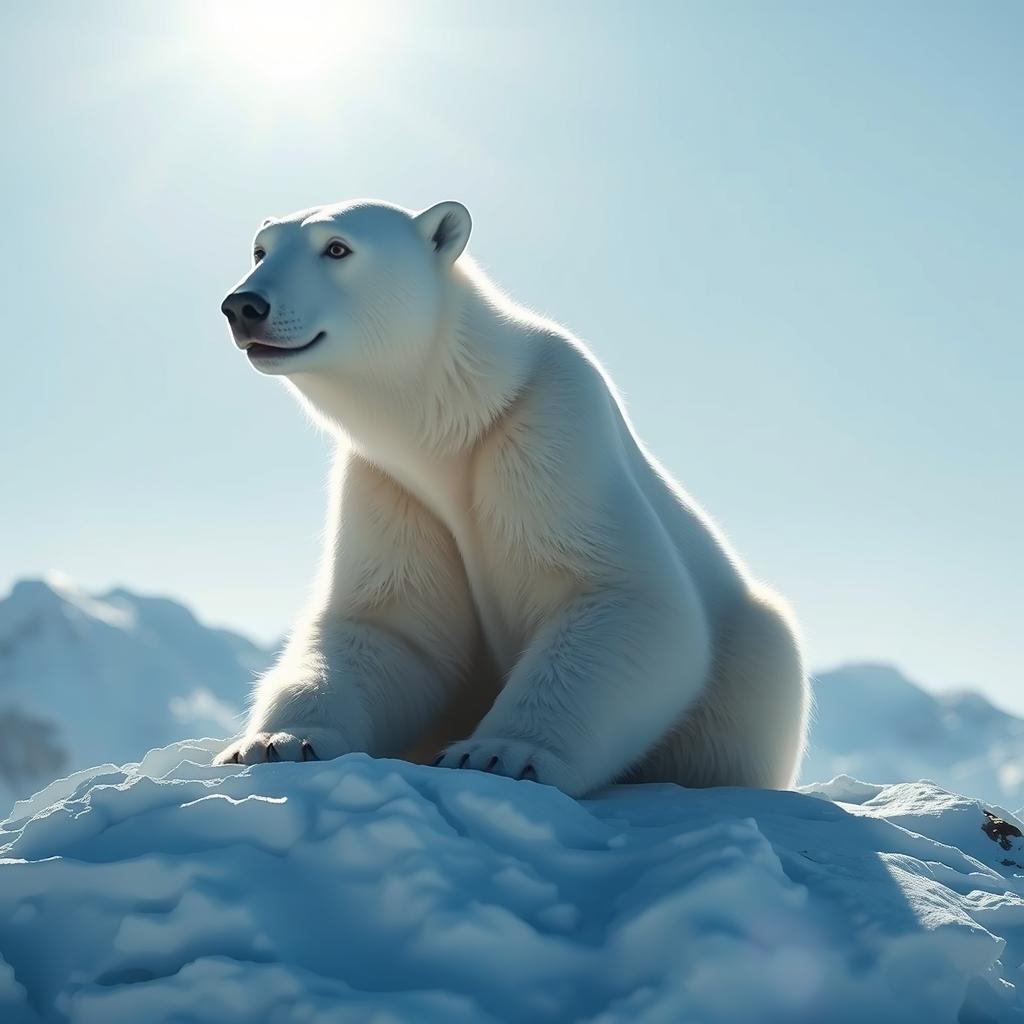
[(445, 228)]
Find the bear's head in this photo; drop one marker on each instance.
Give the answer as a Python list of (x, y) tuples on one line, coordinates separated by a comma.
[(356, 289)]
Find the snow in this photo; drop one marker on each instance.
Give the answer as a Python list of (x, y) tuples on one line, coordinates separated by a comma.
[(379, 891)]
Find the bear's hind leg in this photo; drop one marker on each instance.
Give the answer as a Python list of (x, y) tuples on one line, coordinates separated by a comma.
[(749, 726)]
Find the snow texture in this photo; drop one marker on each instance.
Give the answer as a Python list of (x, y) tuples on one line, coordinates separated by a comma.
[(379, 891)]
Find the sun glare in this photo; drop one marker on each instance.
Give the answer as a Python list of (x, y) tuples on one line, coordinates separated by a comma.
[(287, 46)]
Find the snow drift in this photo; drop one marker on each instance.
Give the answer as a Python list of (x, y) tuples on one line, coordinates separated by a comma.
[(362, 890)]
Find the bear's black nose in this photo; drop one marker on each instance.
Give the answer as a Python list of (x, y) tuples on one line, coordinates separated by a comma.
[(245, 309)]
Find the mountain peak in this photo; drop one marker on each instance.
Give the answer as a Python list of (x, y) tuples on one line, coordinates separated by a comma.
[(36, 588), (57, 592)]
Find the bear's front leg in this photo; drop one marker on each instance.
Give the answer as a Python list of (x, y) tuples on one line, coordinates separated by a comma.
[(350, 686), (378, 661), (600, 684), (300, 712)]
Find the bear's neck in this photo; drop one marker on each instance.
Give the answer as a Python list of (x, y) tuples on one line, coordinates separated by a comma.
[(480, 359)]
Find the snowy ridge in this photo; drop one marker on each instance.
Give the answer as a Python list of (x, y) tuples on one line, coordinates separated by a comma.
[(361, 890)]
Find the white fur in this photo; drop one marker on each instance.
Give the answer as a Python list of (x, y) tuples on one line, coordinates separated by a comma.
[(508, 567)]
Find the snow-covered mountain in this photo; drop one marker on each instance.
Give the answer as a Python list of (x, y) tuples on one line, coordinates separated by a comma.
[(360, 890), (88, 679), (871, 722)]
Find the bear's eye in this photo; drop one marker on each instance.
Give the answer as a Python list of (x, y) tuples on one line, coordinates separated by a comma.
[(258, 254), (337, 250)]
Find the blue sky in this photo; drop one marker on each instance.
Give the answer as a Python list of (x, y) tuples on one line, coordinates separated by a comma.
[(791, 231)]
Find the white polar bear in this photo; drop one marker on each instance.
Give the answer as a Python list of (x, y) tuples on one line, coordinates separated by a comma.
[(506, 563)]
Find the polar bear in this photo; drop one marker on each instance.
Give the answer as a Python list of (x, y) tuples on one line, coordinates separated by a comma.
[(510, 577)]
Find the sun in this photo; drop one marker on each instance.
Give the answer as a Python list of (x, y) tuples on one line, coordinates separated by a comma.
[(287, 46)]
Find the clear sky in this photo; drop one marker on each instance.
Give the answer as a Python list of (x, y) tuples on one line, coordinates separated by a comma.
[(793, 232)]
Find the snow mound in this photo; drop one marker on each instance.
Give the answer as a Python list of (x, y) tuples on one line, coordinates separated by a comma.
[(378, 891)]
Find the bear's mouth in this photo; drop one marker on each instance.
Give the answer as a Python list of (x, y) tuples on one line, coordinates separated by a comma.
[(258, 350)]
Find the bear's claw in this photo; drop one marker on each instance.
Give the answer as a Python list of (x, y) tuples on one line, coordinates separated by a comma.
[(515, 759), (269, 747)]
